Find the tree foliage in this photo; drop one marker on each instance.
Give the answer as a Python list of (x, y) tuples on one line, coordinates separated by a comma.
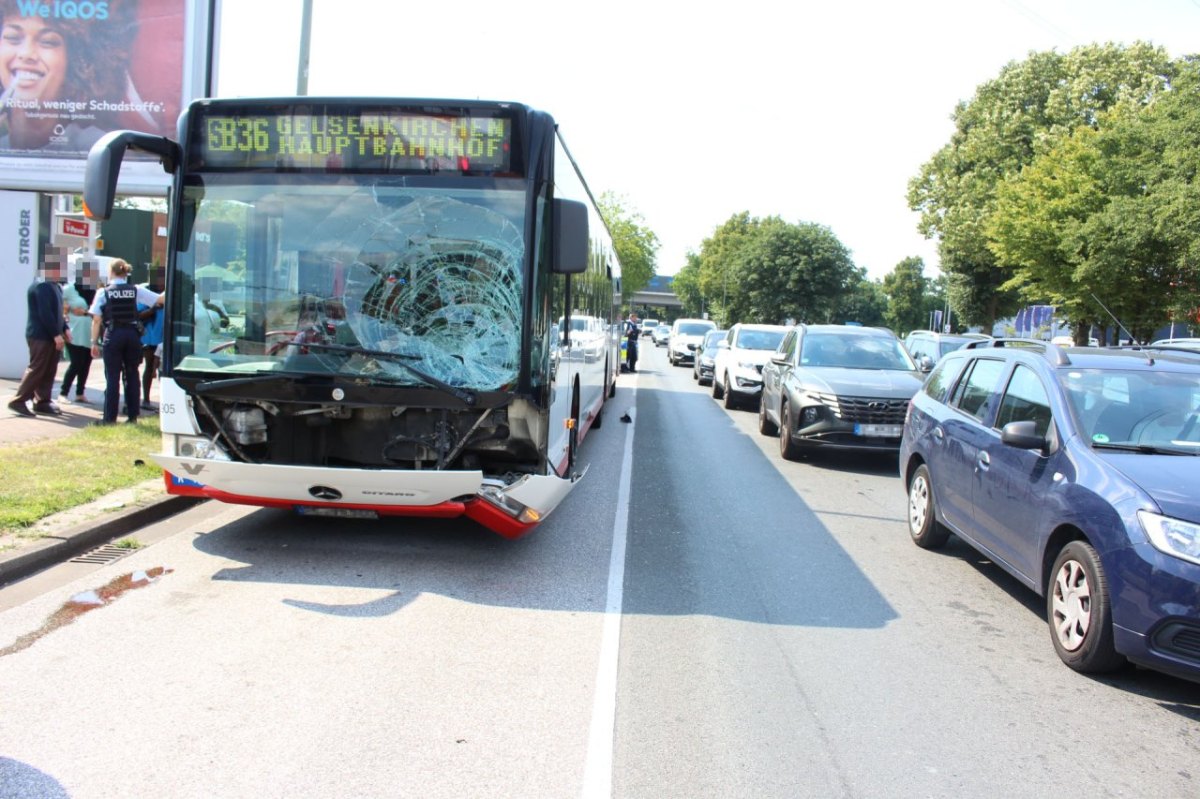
[(636, 245), (768, 270), (1008, 123), (906, 287), (1106, 217)]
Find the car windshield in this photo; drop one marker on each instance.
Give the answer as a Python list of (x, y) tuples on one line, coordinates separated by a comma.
[(1155, 408), (852, 351), (760, 339), (694, 329), (713, 337), (948, 345)]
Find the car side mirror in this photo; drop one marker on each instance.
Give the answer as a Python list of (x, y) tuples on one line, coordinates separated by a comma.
[(780, 359), (1024, 435), (925, 363)]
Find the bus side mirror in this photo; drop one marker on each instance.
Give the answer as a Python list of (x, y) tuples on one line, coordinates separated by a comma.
[(570, 237), (104, 166)]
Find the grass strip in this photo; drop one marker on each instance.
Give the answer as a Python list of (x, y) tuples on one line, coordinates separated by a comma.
[(40, 478)]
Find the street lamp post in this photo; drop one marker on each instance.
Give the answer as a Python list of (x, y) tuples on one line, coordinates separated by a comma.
[(305, 36)]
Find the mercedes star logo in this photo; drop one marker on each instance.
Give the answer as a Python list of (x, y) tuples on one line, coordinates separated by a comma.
[(326, 493)]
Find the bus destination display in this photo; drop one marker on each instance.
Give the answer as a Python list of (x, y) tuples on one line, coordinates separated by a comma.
[(334, 139)]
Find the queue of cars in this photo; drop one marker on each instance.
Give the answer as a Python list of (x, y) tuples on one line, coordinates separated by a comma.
[(1071, 468)]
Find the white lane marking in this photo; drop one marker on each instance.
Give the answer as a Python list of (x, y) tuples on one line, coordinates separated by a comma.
[(597, 773)]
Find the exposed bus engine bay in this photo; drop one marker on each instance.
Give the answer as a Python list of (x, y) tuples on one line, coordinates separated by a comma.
[(367, 432)]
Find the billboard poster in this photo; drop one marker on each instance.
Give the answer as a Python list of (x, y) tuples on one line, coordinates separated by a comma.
[(73, 70), (19, 224)]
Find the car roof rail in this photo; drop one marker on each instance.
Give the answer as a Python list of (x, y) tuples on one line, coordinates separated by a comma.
[(1052, 352)]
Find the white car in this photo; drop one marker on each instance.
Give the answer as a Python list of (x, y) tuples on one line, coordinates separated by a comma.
[(648, 326), (660, 335), (737, 369), (687, 336), (1181, 343)]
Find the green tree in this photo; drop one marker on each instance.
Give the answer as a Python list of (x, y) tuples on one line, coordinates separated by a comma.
[(687, 287), (797, 271), (866, 302), (1003, 128), (906, 289), (1107, 215), (636, 245), (719, 268)]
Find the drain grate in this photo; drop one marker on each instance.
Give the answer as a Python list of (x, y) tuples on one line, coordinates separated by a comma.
[(102, 555)]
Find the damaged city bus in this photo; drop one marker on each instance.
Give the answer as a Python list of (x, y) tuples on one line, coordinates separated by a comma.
[(369, 306)]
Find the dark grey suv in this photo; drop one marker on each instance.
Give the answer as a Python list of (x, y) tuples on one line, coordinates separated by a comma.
[(837, 386)]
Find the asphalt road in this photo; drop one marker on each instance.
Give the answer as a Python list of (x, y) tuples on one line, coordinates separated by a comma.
[(778, 635)]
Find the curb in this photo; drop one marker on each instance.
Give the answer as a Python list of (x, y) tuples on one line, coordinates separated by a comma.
[(55, 549)]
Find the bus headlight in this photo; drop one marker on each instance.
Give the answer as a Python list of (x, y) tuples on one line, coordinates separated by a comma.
[(522, 513), (196, 447)]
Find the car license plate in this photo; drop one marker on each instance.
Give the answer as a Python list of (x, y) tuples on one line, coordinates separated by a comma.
[(878, 430)]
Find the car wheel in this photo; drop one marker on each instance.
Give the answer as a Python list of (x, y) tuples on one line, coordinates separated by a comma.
[(731, 399), (923, 525), (1079, 611), (718, 389), (787, 447), (765, 425)]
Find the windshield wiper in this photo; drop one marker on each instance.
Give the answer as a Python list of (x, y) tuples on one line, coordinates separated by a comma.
[(467, 397), (1146, 449), (206, 386)]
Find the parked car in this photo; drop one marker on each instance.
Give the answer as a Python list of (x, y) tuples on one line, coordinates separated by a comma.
[(686, 337), (927, 347), (702, 364), (661, 334), (1184, 343), (1076, 472), (837, 386), (648, 326), (737, 367)]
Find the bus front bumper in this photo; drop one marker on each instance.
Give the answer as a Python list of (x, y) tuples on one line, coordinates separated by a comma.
[(510, 510)]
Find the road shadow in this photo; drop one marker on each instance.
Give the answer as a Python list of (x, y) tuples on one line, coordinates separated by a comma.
[(1172, 693), (753, 551), (717, 530)]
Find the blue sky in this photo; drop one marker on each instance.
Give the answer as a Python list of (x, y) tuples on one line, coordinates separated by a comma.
[(814, 112)]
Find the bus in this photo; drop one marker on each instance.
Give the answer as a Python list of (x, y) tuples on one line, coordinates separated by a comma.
[(370, 303)]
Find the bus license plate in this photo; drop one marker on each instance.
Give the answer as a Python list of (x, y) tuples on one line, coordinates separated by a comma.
[(336, 513), (878, 430)]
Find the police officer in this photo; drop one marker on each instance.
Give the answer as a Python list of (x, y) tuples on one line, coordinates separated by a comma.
[(632, 332), (115, 310)]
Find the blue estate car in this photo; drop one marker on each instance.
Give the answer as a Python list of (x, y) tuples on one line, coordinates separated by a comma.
[(1075, 470)]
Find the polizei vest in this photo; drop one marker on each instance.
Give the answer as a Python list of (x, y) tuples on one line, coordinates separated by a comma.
[(120, 305)]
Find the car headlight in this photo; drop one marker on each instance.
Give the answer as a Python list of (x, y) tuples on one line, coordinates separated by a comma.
[(1172, 536)]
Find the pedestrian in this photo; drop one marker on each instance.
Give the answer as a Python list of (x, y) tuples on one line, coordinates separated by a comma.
[(114, 314), (151, 317), (632, 332), (77, 297), (46, 334)]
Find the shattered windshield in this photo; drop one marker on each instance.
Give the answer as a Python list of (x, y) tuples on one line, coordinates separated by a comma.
[(354, 278)]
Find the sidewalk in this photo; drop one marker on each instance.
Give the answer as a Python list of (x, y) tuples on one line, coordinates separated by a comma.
[(71, 532)]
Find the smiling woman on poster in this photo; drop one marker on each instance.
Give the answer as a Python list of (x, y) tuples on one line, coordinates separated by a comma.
[(64, 72)]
